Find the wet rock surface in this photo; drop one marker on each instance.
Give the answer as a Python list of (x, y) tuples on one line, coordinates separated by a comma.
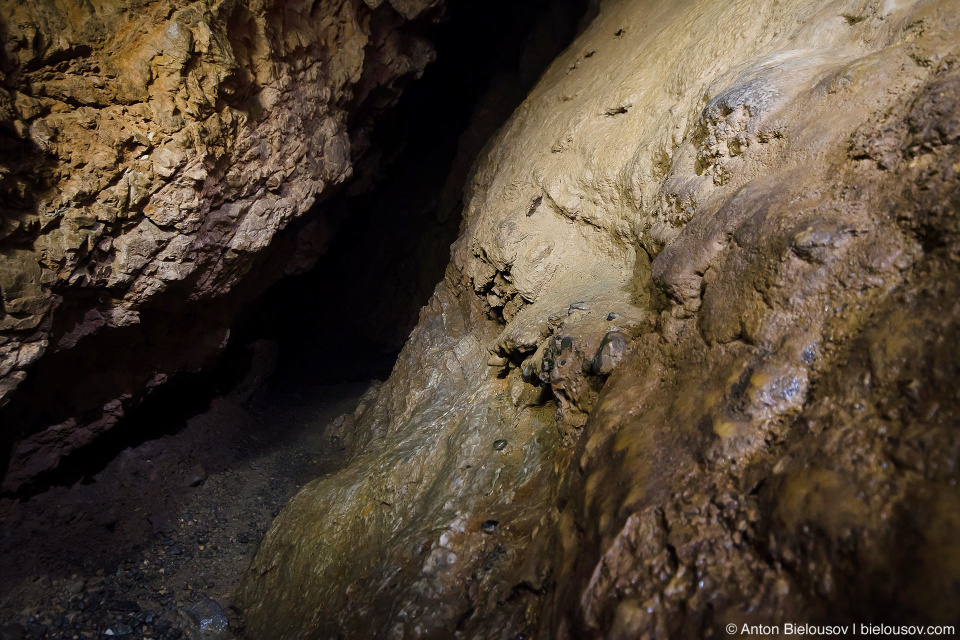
[(705, 292), (692, 364), (142, 550)]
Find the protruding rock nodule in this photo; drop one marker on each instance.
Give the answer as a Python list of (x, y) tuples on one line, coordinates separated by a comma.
[(610, 353)]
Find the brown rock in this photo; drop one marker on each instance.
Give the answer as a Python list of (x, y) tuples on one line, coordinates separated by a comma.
[(766, 194), (155, 156)]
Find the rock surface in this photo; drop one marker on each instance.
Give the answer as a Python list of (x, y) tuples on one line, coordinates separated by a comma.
[(706, 293), (152, 153)]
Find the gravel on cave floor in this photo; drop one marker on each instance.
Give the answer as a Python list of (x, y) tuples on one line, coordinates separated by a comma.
[(154, 544)]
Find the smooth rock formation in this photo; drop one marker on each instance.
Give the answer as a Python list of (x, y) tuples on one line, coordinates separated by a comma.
[(152, 152), (706, 293)]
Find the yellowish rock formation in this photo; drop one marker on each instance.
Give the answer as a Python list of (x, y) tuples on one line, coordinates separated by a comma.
[(706, 292)]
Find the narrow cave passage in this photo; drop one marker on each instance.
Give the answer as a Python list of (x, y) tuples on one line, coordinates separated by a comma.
[(147, 531), (350, 315), (690, 371)]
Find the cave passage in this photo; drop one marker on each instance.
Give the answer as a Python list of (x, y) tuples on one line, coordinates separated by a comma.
[(166, 509), (348, 317), (392, 225)]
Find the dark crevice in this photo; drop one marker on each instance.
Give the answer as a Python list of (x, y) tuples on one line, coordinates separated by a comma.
[(355, 309)]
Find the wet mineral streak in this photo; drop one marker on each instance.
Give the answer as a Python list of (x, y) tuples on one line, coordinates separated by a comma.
[(707, 289)]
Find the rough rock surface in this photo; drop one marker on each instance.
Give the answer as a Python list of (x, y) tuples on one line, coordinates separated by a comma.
[(141, 548), (693, 363), (151, 153)]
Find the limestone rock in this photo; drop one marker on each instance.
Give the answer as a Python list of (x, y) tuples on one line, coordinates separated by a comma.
[(717, 248), (154, 156)]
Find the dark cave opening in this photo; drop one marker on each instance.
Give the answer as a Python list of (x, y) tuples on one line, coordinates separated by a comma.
[(347, 318)]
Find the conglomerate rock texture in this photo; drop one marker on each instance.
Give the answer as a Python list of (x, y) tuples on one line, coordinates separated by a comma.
[(693, 362), (153, 155)]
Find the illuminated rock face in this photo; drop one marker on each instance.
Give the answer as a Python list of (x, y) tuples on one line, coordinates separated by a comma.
[(156, 157), (693, 362)]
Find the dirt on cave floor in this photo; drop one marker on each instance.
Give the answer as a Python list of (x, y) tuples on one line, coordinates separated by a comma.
[(154, 544)]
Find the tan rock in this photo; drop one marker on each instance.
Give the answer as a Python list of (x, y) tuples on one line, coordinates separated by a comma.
[(759, 200)]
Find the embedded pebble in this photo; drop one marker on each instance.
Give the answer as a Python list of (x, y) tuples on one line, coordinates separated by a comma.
[(527, 373), (210, 616), (119, 630), (500, 445), (195, 476), (611, 351), (489, 526), (75, 585)]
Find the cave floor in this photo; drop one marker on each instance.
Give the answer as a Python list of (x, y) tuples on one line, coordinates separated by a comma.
[(166, 527)]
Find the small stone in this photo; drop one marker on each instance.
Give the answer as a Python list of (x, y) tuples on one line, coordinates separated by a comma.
[(195, 476), (210, 616), (124, 606), (611, 316), (497, 361), (75, 585), (578, 306), (611, 352), (489, 526), (527, 373), (554, 318), (500, 445)]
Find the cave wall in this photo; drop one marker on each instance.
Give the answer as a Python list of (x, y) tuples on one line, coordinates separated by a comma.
[(156, 165), (692, 362), (357, 307)]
